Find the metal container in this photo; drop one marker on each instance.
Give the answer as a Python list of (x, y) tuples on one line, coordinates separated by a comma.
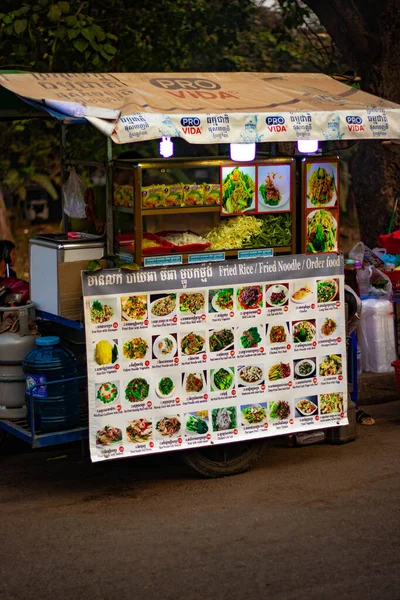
[(13, 349), (47, 252)]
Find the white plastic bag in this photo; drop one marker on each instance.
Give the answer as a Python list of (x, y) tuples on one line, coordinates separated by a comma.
[(73, 196), (376, 336)]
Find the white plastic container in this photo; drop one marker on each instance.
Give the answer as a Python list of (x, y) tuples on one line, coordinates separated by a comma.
[(376, 336)]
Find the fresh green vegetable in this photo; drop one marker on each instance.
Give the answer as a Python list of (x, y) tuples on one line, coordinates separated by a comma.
[(238, 191), (166, 386), (223, 379), (137, 390), (250, 338), (196, 425), (114, 353), (224, 418), (276, 230)]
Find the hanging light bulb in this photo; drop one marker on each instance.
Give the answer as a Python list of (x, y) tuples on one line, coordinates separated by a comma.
[(166, 147), (307, 146), (243, 152)]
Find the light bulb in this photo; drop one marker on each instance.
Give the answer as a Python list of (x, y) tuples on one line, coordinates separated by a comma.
[(243, 152), (307, 146), (166, 147)]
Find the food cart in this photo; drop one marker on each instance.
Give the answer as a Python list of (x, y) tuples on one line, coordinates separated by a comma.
[(232, 330)]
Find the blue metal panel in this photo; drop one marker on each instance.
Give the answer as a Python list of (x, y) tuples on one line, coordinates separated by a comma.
[(61, 320)]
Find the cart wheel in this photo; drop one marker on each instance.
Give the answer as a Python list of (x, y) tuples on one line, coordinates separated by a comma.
[(225, 459)]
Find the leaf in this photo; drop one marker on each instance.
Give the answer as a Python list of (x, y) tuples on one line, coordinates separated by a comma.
[(64, 7), (8, 19), (46, 184), (88, 33), (99, 33), (94, 265), (72, 33), (54, 13), (71, 20), (109, 49), (130, 267), (81, 45), (111, 36)]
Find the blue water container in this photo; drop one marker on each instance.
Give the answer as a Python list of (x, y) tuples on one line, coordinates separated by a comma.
[(55, 406)]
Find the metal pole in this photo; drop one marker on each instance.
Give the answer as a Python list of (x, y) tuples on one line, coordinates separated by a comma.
[(109, 198), (63, 173)]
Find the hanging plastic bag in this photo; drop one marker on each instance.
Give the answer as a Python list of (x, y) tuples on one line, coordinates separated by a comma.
[(361, 253), (376, 336), (73, 196)]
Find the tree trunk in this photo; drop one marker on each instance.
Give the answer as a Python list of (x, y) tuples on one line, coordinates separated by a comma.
[(5, 229), (366, 34)]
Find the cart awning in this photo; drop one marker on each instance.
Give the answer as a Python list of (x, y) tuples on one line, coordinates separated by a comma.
[(205, 108)]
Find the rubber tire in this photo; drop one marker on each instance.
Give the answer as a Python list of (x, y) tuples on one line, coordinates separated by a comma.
[(200, 461)]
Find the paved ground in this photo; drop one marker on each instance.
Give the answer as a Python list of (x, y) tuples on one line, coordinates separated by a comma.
[(316, 522)]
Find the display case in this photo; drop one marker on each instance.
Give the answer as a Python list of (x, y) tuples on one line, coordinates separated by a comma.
[(221, 205)]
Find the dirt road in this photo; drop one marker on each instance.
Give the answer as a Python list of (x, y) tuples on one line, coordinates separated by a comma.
[(315, 522)]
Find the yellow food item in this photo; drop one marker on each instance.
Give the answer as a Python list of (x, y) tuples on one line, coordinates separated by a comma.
[(103, 353), (203, 414), (231, 234), (149, 243)]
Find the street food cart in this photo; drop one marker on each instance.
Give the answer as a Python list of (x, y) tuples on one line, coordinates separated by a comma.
[(224, 323)]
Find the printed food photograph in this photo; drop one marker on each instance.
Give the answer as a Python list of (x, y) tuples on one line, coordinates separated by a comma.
[(224, 418), (194, 383), (196, 423), (108, 435), (302, 294), (238, 190), (277, 294), (106, 353), (274, 188), (165, 346), (278, 334), (249, 297), (139, 431), (327, 290), (135, 348), (250, 375), (168, 426), (279, 410), (222, 379), (331, 403), (107, 392), (306, 406), (162, 306), (250, 338), (331, 365), (221, 300), (137, 390), (304, 368), (165, 387), (191, 302), (322, 181), (328, 328), (100, 313), (221, 339), (303, 331), (254, 414), (321, 233), (279, 371), (192, 343), (134, 308)]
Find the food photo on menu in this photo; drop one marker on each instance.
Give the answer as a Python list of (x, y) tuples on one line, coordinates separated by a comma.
[(329, 328), (274, 188), (106, 352), (139, 431), (303, 331), (327, 290), (250, 375), (136, 348), (331, 404), (303, 293), (162, 306), (137, 390), (322, 184), (107, 392), (134, 308), (197, 423), (221, 300), (221, 339), (168, 427), (250, 338), (108, 435), (194, 382), (164, 346), (305, 368), (306, 406), (322, 231), (331, 365), (277, 295), (279, 410), (279, 371), (224, 418), (102, 311), (167, 385), (222, 379), (254, 414), (249, 297), (238, 190), (278, 333), (192, 343), (192, 303)]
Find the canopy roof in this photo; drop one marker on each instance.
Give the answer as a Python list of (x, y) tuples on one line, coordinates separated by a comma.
[(205, 108)]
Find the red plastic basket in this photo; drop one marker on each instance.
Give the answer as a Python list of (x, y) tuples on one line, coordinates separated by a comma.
[(396, 365), (126, 240), (394, 277), (391, 242)]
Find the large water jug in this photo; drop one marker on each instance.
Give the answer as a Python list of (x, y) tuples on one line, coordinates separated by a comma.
[(55, 406)]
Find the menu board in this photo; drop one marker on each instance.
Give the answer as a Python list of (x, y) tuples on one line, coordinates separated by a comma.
[(258, 189), (320, 200), (188, 356)]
